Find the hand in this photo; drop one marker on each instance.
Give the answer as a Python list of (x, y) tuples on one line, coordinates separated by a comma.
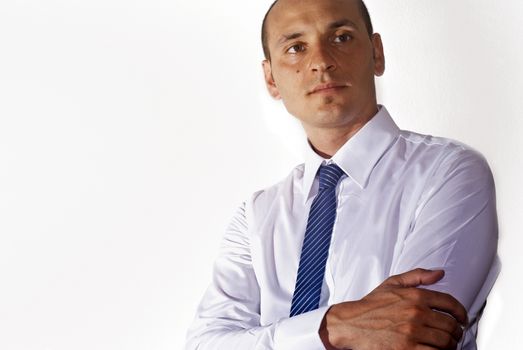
[(397, 316)]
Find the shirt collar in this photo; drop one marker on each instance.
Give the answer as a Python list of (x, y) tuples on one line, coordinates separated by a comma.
[(358, 156)]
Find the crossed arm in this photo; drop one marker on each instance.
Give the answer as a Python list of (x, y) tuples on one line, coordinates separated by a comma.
[(417, 309)]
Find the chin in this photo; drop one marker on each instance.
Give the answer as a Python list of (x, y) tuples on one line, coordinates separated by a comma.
[(333, 113), (328, 120)]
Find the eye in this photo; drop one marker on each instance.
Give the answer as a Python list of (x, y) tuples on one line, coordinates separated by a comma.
[(296, 48), (342, 38)]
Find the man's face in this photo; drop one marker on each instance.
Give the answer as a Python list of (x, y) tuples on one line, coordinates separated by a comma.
[(322, 62)]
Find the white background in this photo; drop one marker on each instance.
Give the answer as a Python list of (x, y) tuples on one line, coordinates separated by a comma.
[(131, 130)]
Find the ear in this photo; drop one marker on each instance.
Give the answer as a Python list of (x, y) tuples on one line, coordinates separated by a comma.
[(379, 56), (269, 80)]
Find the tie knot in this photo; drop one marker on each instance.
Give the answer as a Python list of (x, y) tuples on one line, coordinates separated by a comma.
[(330, 175)]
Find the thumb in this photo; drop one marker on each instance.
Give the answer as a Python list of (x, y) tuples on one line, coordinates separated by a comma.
[(415, 278)]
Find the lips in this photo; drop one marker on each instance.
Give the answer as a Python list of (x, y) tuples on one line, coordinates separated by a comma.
[(327, 87)]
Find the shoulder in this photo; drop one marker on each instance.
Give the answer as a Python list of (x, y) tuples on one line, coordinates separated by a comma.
[(451, 168), (429, 143), (446, 155)]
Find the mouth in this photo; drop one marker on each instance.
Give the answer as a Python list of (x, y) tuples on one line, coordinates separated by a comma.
[(327, 88)]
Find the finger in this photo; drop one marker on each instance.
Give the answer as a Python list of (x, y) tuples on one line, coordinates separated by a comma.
[(439, 339), (415, 278), (420, 314), (445, 323), (446, 303), (424, 347), (427, 336)]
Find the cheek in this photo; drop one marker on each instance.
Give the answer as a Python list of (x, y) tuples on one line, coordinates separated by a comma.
[(290, 83)]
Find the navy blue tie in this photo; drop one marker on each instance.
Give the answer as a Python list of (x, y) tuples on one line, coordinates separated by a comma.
[(316, 242)]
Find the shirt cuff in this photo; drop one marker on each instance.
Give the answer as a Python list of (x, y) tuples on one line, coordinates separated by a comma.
[(300, 332)]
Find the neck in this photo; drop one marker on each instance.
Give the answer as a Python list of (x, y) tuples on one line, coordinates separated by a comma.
[(327, 141)]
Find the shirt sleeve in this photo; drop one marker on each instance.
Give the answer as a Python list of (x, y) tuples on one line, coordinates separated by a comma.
[(455, 229), (228, 316)]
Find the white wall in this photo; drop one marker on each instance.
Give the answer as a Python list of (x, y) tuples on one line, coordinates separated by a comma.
[(130, 131)]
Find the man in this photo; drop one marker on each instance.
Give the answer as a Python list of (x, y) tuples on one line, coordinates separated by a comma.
[(383, 239)]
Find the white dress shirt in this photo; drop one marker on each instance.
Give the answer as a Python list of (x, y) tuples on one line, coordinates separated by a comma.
[(407, 201)]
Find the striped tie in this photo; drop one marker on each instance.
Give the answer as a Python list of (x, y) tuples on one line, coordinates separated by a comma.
[(316, 242)]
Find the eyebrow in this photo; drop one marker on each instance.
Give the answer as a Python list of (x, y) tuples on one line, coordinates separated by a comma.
[(336, 24), (288, 37), (341, 23)]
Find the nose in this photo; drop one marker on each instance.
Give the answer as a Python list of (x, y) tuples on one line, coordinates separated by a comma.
[(321, 59)]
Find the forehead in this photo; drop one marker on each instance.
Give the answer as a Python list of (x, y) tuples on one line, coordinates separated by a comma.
[(302, 15)]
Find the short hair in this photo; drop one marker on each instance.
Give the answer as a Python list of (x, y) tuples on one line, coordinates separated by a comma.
[(361, 6)]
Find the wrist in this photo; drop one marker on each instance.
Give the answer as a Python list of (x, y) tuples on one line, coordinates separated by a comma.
[(325, 334), (335, 332)]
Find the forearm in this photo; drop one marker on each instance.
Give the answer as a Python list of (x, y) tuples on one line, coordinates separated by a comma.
[(229, 314), (217, 338), (299, 332)]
